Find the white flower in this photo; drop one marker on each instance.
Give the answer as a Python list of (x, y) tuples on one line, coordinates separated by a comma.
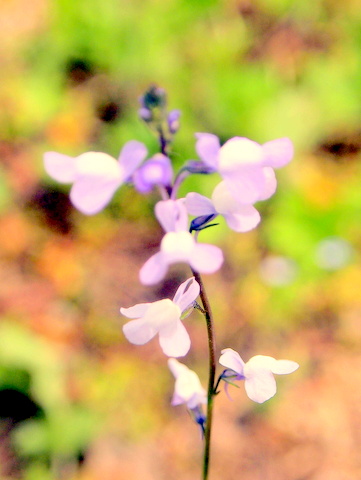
[(163, 317), (188, 388), (257, 373)]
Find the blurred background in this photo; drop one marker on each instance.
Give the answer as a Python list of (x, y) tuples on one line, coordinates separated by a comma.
[(76, 400)]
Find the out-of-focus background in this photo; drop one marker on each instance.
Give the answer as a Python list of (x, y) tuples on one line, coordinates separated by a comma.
[(76, 400)]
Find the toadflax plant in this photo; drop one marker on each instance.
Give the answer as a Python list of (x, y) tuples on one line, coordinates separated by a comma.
[(247, 176)]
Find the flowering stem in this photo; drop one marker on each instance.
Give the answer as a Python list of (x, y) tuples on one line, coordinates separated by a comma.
[(162, 141), (212, 373)]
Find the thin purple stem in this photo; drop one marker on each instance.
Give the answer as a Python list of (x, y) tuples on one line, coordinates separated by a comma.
[(181, 176), (162, 141)]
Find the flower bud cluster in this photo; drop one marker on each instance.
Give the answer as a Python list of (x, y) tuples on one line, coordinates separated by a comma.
[(153, 111)]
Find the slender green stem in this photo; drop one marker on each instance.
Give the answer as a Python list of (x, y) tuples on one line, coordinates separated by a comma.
[(212, 373)]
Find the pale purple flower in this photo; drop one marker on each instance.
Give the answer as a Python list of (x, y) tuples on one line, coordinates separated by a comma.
[(239, 217), (155, 171), (95, 175), (245, 166), (257, 373), (188, 388), (178, 245), (163, 317)]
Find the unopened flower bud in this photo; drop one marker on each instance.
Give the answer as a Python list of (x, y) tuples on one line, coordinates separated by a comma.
[(154, 97), (145, 114), (173, 121), (202, 222)]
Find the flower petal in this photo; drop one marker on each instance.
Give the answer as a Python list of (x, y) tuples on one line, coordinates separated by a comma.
[(136, 311), (231, 359), (177, 399), (282, 367), (188, 388), (91, 194), (98, 177), (222, 199), (239, 152), (98, 165), (138, 331), (177, 343), (199, 205), (207, 147), (155, 171), (131, 156), (270, 184), (279, 367), (177, 246), (61, 168), (260, 385), (244, 221), (261, 361), (246, 184), (206, 258), (278, 152), (153, 270), (172, 215), (163, 315), (198, 397), (176, 367), (186, 293), (239, 217)]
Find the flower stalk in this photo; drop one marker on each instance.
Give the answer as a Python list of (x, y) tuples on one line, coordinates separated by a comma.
[(211, 373), (247, 172)]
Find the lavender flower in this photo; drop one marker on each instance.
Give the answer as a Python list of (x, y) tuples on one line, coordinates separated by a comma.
[(95, 176), (178, 245), (245, 166), (257, 373), (155, 171), (239, 217), (164, 318)]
